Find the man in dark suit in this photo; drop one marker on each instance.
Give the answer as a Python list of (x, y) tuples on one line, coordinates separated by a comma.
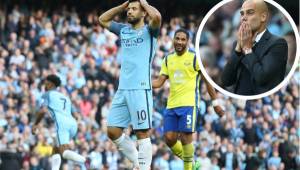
[(259, 58)]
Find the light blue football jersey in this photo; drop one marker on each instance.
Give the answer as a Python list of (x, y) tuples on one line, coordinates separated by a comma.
[(137, 52), (59, 106)]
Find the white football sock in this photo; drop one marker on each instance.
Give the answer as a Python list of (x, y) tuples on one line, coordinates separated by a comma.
[(55, 162), (127, 147), (145, 153), (71, 155)]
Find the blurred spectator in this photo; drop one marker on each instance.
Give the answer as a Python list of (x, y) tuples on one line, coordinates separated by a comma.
[(257, 161), (229, 158), (275, 160), (249, 130), (176, 164), (161, 162)]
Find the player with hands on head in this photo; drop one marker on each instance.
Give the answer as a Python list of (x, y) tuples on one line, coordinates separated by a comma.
[(132, 103)]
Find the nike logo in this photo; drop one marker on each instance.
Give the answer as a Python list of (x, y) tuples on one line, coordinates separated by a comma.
[(139, 123)]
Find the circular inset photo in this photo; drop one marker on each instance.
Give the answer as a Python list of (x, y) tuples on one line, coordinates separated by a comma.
[(247, 49)]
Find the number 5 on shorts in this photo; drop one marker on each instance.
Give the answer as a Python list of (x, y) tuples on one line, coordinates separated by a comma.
[(188, 119)]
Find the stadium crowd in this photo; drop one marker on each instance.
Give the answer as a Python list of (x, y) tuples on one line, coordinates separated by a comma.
[(34, 43)]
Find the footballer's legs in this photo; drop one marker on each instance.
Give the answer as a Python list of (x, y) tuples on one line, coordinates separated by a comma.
[(64, 135), (171, 127), (63, 151), (66, 153), (114, 132), (117, 120), (140, 104), (55, 161), (187, 150), (187, 127), (182, 148), (171, 139), (144, 149), (124, 144)]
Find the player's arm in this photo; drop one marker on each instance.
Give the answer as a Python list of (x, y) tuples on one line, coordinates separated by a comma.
[(40, 115), (163, 75), (74, 112), (76, 115), (154, 14), (159, 81), (106, 18), (213, 95)]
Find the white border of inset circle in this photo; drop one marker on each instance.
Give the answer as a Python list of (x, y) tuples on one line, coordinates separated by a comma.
[(225, 92)]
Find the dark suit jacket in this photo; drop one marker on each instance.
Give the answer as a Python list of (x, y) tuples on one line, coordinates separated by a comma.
[(259, 71)]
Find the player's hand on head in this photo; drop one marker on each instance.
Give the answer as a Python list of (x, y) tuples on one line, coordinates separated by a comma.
[(125, 4), (143, 2)]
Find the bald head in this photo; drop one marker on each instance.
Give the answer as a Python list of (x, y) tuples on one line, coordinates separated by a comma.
[(259, 5), (255, 13)]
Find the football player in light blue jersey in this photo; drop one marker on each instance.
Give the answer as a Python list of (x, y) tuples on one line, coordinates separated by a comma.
[(60, 108), (132, 103)]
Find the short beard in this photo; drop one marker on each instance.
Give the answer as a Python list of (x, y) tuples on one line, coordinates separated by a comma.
[(134, 21), (180, 51)]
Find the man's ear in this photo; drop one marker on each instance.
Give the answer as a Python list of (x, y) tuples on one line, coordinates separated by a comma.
[(264, 17), (144, 13)]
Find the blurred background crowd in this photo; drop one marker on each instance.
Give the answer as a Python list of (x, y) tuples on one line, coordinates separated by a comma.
[(39, 40)]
